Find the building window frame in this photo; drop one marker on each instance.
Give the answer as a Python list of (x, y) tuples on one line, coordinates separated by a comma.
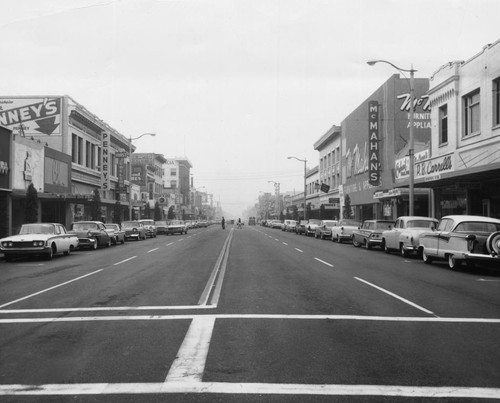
[(496, 102), (471, 113), (443, 124)]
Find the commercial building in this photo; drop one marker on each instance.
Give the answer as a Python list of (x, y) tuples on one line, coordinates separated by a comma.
[(328, 147), (147, 172), (463, 168), (66, 152), (374, 148)]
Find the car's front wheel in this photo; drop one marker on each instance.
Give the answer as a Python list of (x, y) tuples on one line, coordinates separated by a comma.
[(355, 243)]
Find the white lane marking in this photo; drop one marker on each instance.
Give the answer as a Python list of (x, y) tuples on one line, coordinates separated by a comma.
[(284, 243), (322, 261), (276, 239), (152, 250), (49, 289), (180, 240), (396, 296), (221, 262), (168, 244), (66, 389), (487, 280), (299, 250), (126, 260), (425, 319), (192, 355), (109, 308)]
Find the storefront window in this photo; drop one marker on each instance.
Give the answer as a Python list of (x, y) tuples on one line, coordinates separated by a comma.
[(452, 201)]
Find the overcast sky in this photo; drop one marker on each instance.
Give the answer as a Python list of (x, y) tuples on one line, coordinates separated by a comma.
[(235, 86)]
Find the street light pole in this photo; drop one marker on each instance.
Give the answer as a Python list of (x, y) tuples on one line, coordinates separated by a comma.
[(305, 184), (130, 139), (411, 141)]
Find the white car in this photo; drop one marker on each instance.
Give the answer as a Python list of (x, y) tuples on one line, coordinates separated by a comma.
[(463, 238), (404, 236), (344, 229), (311, 226), (41, 239)]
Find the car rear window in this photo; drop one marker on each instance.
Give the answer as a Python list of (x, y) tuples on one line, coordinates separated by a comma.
[(472, 226)]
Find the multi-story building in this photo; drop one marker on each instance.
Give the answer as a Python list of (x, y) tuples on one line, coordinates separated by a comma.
[(177, 173), (463, 169), (328, 147), (96, 157), (148, 172), (374, 148)]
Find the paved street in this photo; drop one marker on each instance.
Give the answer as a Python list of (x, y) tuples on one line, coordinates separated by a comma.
[(246, 315)]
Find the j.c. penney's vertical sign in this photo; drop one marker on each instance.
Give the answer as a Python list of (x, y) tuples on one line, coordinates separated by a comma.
[(373, 144), (105, 161)]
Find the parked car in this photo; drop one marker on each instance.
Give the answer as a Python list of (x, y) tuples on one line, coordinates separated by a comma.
[(463, 238), (276, 224), (161, 227), (91, 234), (150, 227), (369, 234), (344, 229), (289, 225), (404, 236), (324, 230), (176, 227), (116, 233), (134, 230), (300, 227), (311, 226), (39, 239)]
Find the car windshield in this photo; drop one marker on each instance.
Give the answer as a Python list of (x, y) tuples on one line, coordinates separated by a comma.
[(83, 226), (317, 222), (175, 222), (148, 222), (130, 224), (477, 226), (329, 223), (37, 229), (384, 225), (420, 224), (350, 223), (111, 226)]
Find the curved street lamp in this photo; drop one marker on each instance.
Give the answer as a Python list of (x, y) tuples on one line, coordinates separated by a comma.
[(305, 185), (411, 140), (130, 139)]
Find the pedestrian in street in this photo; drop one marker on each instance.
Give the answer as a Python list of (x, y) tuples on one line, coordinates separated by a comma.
[(223, 222)]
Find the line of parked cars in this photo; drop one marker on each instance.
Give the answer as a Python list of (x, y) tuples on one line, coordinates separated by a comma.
[(49, 239), (456, 239)]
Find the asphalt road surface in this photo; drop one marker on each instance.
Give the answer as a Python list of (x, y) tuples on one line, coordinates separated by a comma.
[(247, 315)]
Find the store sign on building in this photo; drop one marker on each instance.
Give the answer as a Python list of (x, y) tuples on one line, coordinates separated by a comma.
[(31, 116), (5, 140), (105, 161), (57, 171), (374, 144), (433, 168)]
